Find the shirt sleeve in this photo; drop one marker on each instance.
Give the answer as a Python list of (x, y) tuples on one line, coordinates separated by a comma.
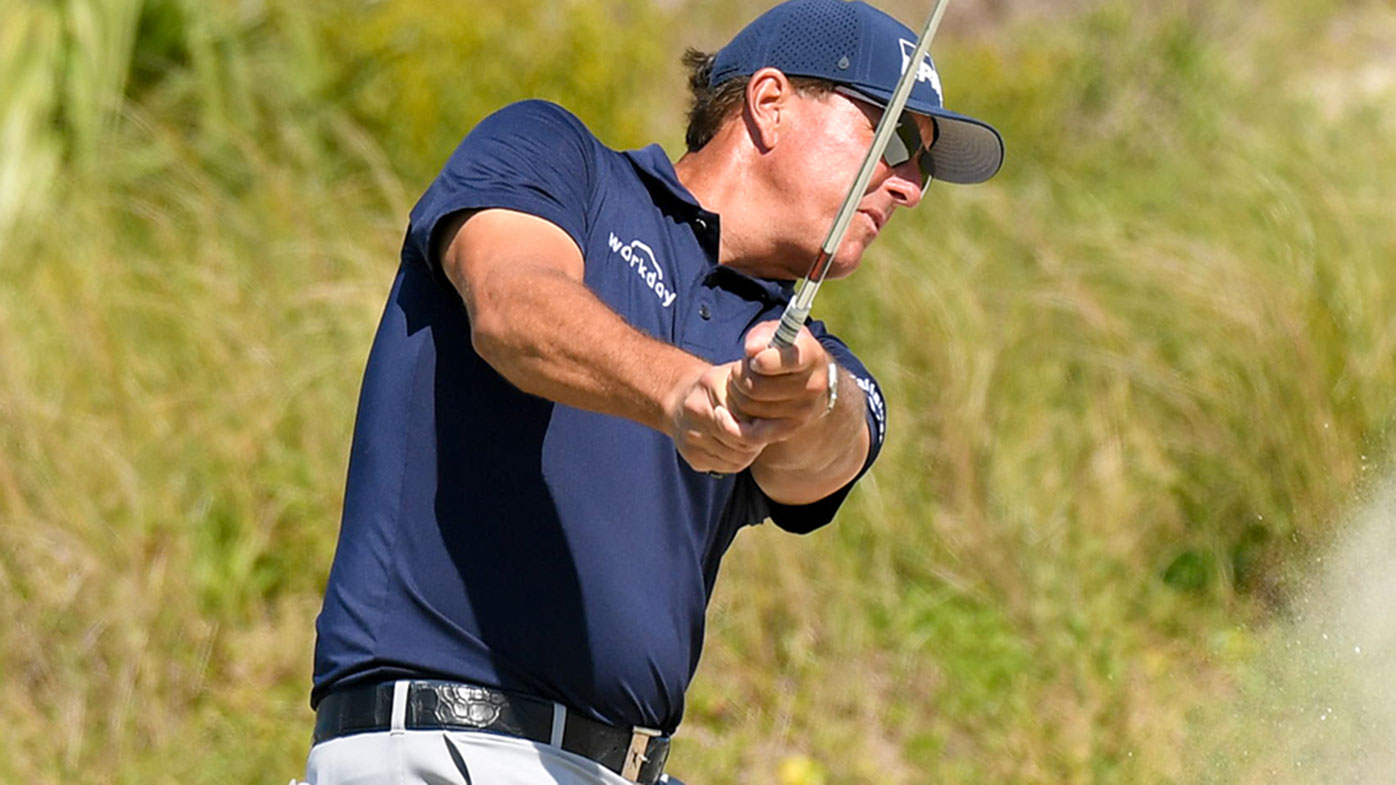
[(805, 518), (533, 156)]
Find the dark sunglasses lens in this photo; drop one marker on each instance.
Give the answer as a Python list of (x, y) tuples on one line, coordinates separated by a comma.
[(904, 145)]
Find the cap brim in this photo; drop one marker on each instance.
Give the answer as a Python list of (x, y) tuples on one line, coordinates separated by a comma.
[(966, 150)]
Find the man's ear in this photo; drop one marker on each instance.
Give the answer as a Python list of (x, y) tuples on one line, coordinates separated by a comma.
[(768, 94)]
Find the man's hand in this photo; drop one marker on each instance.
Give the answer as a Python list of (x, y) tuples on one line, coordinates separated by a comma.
[(704, 429), (783, 396), (724, 417), (781, 389)]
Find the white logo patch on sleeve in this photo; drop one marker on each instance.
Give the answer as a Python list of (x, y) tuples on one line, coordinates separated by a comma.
[(875, 403)]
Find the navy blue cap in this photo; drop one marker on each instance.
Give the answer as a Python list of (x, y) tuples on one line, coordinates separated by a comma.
[(856, 45)]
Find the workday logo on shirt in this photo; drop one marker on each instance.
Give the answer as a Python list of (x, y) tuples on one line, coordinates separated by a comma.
[(641, 259)]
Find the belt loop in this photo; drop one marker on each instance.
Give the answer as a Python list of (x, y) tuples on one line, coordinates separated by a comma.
[(636, 757), (398, 719), (559, 724)]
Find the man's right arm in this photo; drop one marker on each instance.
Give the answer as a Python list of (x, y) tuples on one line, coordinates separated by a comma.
[(536, 323)]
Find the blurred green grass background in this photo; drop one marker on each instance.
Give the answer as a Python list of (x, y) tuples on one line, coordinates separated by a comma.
[(1136, 382)]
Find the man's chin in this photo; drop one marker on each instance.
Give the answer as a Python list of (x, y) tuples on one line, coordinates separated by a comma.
[(842, 267), (849, 257)]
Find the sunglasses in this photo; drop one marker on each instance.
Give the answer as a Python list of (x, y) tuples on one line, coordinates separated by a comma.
[(905, 143)]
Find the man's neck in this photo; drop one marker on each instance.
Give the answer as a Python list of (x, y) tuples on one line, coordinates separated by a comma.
[(721, 177)]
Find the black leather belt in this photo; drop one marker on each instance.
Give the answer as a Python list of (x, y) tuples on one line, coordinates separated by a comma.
[(636, 754)]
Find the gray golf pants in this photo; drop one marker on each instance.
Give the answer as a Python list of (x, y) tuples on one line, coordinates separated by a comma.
[(434, 757)]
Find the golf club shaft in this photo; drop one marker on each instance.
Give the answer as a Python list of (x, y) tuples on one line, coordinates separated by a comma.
[(799, 307)]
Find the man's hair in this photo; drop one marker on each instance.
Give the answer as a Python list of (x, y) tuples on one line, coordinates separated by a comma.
[(712, 106)]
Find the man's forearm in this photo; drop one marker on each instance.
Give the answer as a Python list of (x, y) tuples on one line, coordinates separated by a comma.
[(535, 322), (533, 319), (821, 457), (554, 338)]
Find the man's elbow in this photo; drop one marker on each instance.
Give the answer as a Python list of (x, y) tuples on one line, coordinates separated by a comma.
[(496, 340), (489, 337), (796, 487)]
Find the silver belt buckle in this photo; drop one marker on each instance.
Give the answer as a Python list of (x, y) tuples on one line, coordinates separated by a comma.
[(635, 757)]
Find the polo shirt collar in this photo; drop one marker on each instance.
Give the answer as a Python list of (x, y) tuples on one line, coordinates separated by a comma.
[(654, 165)]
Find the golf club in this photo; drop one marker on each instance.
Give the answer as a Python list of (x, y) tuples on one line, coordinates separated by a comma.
[(799, 307)]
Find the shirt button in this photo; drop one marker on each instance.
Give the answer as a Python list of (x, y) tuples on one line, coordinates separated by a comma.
[(701, 223), (704, 312)]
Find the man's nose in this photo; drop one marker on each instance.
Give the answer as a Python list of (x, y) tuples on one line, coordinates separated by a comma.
[(905, 184)]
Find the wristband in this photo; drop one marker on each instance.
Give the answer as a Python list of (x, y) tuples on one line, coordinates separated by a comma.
[(833, 387)]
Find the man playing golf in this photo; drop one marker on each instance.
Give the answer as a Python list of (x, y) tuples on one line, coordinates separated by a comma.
[(572, 406)]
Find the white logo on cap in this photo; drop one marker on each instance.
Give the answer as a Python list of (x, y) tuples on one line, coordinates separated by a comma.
[(926, 73)]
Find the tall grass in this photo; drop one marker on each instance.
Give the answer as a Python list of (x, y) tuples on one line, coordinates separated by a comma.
[(29, 56), (1133, 380), (417, 72), (1130, 382), (177, 319)]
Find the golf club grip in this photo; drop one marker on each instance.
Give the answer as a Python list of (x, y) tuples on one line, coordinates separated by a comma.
[(790, 323)]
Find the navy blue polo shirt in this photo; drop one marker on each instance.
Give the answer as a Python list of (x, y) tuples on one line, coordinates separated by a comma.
[(499, 538)]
